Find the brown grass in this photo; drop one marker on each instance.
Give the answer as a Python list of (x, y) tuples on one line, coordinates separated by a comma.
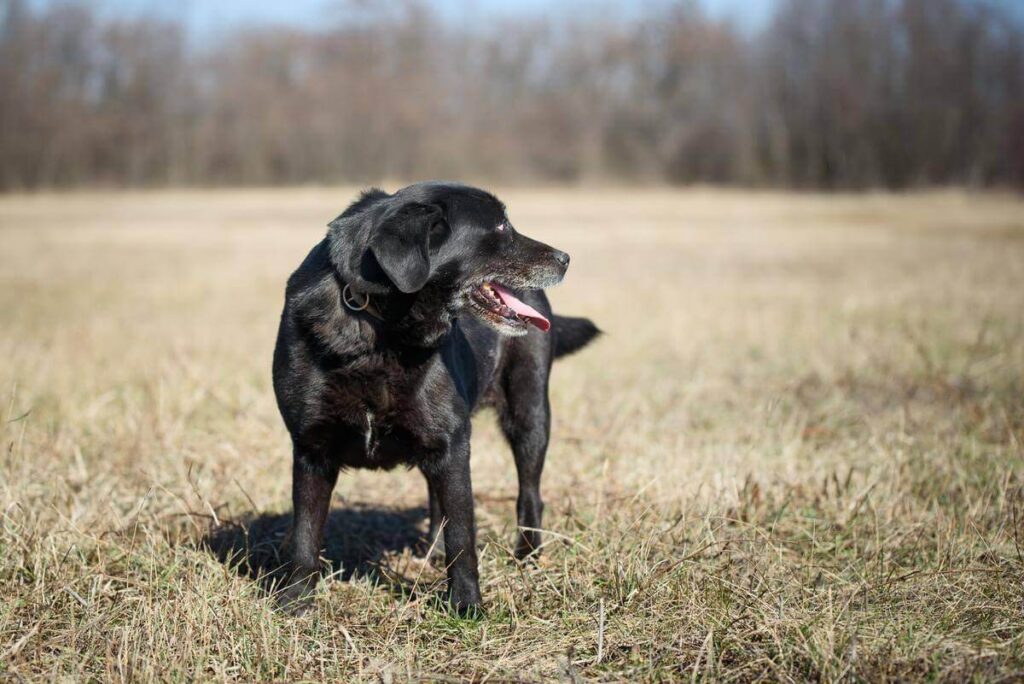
[(796, 454)]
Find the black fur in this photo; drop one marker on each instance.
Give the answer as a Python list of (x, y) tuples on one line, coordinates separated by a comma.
[(572, 334), (397, 384)]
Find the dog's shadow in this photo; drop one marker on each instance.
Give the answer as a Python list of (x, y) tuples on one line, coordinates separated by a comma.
[(356, 539)]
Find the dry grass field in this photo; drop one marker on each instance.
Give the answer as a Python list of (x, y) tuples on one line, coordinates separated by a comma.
[(796, 454)]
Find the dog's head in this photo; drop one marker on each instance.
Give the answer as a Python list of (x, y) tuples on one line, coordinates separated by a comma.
[(435, 250)]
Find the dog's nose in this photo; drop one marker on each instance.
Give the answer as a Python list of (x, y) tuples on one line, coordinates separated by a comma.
[(562, 258)]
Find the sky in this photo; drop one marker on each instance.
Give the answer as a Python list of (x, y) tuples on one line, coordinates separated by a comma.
[(206, 19)]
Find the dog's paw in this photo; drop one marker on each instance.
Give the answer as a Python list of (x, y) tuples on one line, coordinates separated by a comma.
[(295, 600), (526, 552), (468, 611), (466, 603)]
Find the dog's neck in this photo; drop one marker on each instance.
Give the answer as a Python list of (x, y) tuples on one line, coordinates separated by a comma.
[(357, 302), (417, 321)]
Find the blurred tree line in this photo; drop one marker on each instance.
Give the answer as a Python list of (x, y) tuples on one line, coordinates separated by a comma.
[(831, 94)]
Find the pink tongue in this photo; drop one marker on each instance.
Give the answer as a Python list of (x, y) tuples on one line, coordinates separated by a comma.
[(521, 308)]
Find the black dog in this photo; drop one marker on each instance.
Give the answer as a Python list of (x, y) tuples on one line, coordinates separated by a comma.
[(414, 311)]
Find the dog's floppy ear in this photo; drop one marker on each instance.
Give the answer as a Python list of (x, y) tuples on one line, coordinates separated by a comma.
[(401, 244)]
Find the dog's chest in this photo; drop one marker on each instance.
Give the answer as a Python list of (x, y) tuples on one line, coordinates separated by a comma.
[(390, 416)]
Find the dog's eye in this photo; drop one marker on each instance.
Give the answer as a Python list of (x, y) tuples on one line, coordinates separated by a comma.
[(502, 227)]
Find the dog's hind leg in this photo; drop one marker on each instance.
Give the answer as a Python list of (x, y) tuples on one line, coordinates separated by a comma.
[(435, 539), (525, 415)]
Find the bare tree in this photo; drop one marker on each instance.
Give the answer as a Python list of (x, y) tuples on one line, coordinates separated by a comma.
[(833, 93)]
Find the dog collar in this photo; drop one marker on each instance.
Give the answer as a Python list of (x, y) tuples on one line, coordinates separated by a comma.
[(359, 302)]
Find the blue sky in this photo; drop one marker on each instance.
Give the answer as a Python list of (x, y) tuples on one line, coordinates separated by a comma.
[(207, 18), (210, 17)]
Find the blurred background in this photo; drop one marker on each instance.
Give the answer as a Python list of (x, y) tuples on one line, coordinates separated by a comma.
[(779, 93)]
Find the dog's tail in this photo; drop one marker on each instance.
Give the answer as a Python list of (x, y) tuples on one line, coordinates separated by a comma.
[(572, 334)]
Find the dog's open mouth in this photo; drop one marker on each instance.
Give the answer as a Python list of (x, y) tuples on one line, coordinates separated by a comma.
[(502, 307)]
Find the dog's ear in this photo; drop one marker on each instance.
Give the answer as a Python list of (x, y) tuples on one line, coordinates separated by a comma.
[(401, 244)]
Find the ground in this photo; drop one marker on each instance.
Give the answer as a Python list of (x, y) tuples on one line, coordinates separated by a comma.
[(795, 454)]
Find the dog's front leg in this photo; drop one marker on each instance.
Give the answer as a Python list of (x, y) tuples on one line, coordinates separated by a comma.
[(312, 484), (450, 481)]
